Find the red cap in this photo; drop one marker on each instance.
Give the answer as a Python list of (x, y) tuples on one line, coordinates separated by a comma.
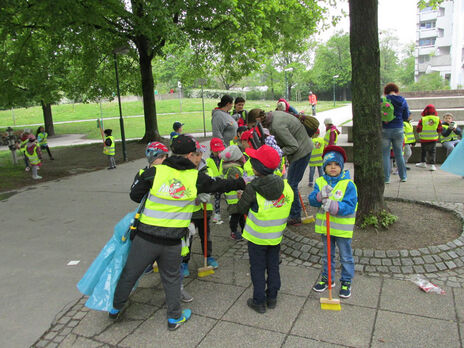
[(246, 135), (266, 155), (317, 132), (335, 148), (216, 145), (429, 110)]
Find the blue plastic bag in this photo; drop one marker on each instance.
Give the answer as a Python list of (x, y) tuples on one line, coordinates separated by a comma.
[(455, 161), (100, 280)]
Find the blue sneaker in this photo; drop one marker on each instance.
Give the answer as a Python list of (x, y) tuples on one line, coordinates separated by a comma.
[(212, 262), (173, 324), (114, 313), (184, 268)]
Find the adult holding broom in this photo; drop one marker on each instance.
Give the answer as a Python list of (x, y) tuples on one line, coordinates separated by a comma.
[(172, 188)]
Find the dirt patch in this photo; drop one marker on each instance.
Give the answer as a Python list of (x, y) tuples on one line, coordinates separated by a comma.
[(418, 226)]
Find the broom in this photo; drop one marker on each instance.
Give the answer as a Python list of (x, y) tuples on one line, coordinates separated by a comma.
[(331, 304), (307, 219), (205, 270)]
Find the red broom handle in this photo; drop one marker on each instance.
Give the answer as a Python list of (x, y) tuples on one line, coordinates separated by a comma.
[(205, 231), (329, 259)]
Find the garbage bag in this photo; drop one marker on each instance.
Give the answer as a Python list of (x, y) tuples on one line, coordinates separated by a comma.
[(454, 163), (100, 280)]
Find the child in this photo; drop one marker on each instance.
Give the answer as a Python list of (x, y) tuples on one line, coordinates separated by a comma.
[(109, 148), (22, 148), (239, 114), (177, 126), (237, 139), (266, 201), (336, 193), (451, 133), (409, 141), (232, 167), (34, 156), (428, 128), (331, 133), (42, 136), (214, 164), (316, 157)]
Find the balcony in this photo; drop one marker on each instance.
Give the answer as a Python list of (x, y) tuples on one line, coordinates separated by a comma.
[(422, 50), (426, 33), (429, 15), (444, 60), (422, 67), (443, 41)]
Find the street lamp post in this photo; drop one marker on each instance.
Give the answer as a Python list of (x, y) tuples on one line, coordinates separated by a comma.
[(334, 77), (122, 50), (286, 82)]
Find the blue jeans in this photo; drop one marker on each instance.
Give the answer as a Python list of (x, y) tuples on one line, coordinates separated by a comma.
[(393, 137), (346, 257), (312, 170), (295, 174)]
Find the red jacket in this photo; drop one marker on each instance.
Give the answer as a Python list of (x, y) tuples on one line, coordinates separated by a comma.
[(312, 99)]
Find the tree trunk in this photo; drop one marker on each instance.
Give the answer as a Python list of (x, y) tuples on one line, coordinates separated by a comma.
[(149, 106), (48, 118), (365, 62)]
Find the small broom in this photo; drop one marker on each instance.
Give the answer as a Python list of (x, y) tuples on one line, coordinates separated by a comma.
[(331, 304), (205, 270), (308, 218)]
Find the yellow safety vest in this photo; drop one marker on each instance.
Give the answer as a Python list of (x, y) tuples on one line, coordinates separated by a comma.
[(42, 138), (22, 147), (429, 128), (409, 137), (316, 154), (171, 201), (34, 158), (266, 226), (215, 171), (327, 137), (231, 196), (340, 226), (109, 150), (450, 137), (247, 167)]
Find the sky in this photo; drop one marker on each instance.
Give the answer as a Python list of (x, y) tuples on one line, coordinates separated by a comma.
[(398, 16)]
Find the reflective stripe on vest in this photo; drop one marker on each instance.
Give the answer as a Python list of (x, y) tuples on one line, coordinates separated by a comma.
[(340, 226), (429, 128), (409, 137), (42, 138), (450, 137), (327, 137), (171, 201), (231, 196), (34, 158), (109, 150), (266, 226), (316, 154)]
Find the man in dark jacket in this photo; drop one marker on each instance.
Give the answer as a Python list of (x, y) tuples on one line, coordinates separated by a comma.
[(172, 188), (296, 145)]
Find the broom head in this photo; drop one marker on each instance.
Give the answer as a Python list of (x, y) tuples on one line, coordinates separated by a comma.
[(308, 219), (205, 271), (330, 304)]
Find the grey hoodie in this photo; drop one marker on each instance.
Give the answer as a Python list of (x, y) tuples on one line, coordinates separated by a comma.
[(224, 126)]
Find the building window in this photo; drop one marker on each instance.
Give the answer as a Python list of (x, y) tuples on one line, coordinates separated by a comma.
[(424, 59), (427, 42), (427, 9), (427, 24), (441, 12)]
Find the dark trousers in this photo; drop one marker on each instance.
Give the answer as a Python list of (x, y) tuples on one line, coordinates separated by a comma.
[(200, 224), (429, 149), (42, 147), (143, 253), (264, 258), (235, 220)]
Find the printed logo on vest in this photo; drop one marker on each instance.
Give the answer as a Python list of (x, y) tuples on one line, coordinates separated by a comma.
[(431, 122), (318, 145), (338, 194), (174, 188)]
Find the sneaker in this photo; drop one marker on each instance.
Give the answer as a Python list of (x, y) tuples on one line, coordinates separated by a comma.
[(271, 303), (294, 221), (345, 290), (408, 168), (395, 172), (387, 181), (37, 177), (184, 268), (421, 165), (236, 236), (114, 313), (433, 168), (174, 324), (27, 169), (322, 285), (217, 219), (185, 296), (404, 180), (212, 262), (259, 308)]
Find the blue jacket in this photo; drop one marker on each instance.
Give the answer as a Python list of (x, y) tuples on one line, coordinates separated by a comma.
[(348, 204), (401, 111)]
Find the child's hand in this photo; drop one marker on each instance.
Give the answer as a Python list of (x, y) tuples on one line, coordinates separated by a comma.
[(331, 207), (325, 192)]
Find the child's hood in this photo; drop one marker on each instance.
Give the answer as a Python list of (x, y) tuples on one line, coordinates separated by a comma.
[(268, 186), (333, 180)]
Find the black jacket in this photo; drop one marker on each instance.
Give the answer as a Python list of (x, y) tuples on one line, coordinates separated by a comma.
[(446, 132)]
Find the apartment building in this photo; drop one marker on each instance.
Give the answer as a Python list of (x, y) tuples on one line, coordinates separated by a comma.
[(440, 42)]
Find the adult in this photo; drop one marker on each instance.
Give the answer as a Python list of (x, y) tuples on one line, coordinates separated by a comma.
[(288, 107), (224, 126), (313, 101), (240, 114), (393, 133), (296, 146)]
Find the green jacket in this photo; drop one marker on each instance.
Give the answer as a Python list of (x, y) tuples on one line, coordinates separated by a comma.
[(290, 135)]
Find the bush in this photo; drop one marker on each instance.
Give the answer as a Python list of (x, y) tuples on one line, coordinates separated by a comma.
[(382, 219)]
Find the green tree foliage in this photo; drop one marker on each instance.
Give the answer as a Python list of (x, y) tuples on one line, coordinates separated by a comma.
[(389, 48), (406, 67), (429, 82)]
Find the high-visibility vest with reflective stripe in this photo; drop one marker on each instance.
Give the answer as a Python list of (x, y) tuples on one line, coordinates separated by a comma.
[(280, 169), (34, 158), (109, 150), (213, 167), (429, 128), (450, 137), (266, 226), (42, 138), (327, 137), (231, 196), (316, 154), (409, 137), (247, 167), (22, 147), (171, 200), (340, 226)]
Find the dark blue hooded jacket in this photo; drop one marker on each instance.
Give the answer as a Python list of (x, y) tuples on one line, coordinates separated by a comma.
[(401, 112)]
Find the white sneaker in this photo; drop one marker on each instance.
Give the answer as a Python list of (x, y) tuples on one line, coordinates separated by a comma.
[(217, 219), (421, 165), (37, 177), (433, 168)]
